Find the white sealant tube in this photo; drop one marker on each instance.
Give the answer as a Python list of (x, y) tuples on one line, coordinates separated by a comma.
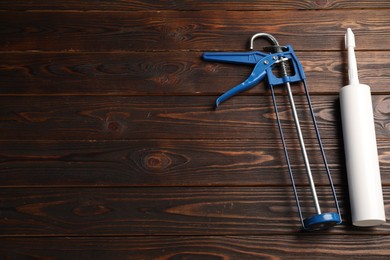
[(361, 153)]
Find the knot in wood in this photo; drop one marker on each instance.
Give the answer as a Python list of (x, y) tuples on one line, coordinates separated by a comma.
[(114, 126), (157, 161)]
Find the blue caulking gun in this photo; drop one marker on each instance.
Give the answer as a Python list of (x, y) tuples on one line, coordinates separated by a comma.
[(264, 64)]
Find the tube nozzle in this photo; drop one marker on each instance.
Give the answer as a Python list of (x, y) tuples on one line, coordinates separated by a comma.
[(352, 65)]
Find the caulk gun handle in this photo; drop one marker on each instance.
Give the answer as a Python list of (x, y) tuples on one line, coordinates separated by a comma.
[(262, 68), (250, 58)]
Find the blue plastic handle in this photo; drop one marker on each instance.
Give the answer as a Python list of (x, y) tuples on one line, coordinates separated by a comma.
[(249, 58), (263, 67), (256, 76)]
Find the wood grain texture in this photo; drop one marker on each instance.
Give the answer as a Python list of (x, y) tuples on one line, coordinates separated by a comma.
[(165, 162), (168, 163), (199, 247), (127, 5), (166, 211), (178, 117), (110, 147), (172, 30), (169, 73)]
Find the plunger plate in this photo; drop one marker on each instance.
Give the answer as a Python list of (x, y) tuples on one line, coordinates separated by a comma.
[(321, 221)]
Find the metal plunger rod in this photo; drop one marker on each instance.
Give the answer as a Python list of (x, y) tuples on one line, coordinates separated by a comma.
[(301, 142), (303, 149)]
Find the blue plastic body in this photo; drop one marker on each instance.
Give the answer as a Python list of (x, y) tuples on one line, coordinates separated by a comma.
[(263, 62), (249, 58)]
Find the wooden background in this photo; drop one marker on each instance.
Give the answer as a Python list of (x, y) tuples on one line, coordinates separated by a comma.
[(110, 147)]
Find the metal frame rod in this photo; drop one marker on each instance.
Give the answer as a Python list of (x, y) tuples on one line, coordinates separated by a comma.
[(303, 148), (286, 155), (322, 148)]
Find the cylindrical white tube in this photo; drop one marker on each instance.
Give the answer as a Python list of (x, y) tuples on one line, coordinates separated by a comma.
[(361, 154)]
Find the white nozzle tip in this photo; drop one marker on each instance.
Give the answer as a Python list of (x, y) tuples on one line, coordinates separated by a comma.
[(349, 39)]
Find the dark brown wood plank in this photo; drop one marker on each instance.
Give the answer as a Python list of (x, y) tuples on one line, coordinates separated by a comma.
[(166, 163), (127, 5), (192, 30), (169, 73), (177, 117), (110, 148), (198, 247), (166, 211)]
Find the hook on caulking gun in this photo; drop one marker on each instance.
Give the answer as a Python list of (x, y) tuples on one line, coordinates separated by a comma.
[(264, 63)]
